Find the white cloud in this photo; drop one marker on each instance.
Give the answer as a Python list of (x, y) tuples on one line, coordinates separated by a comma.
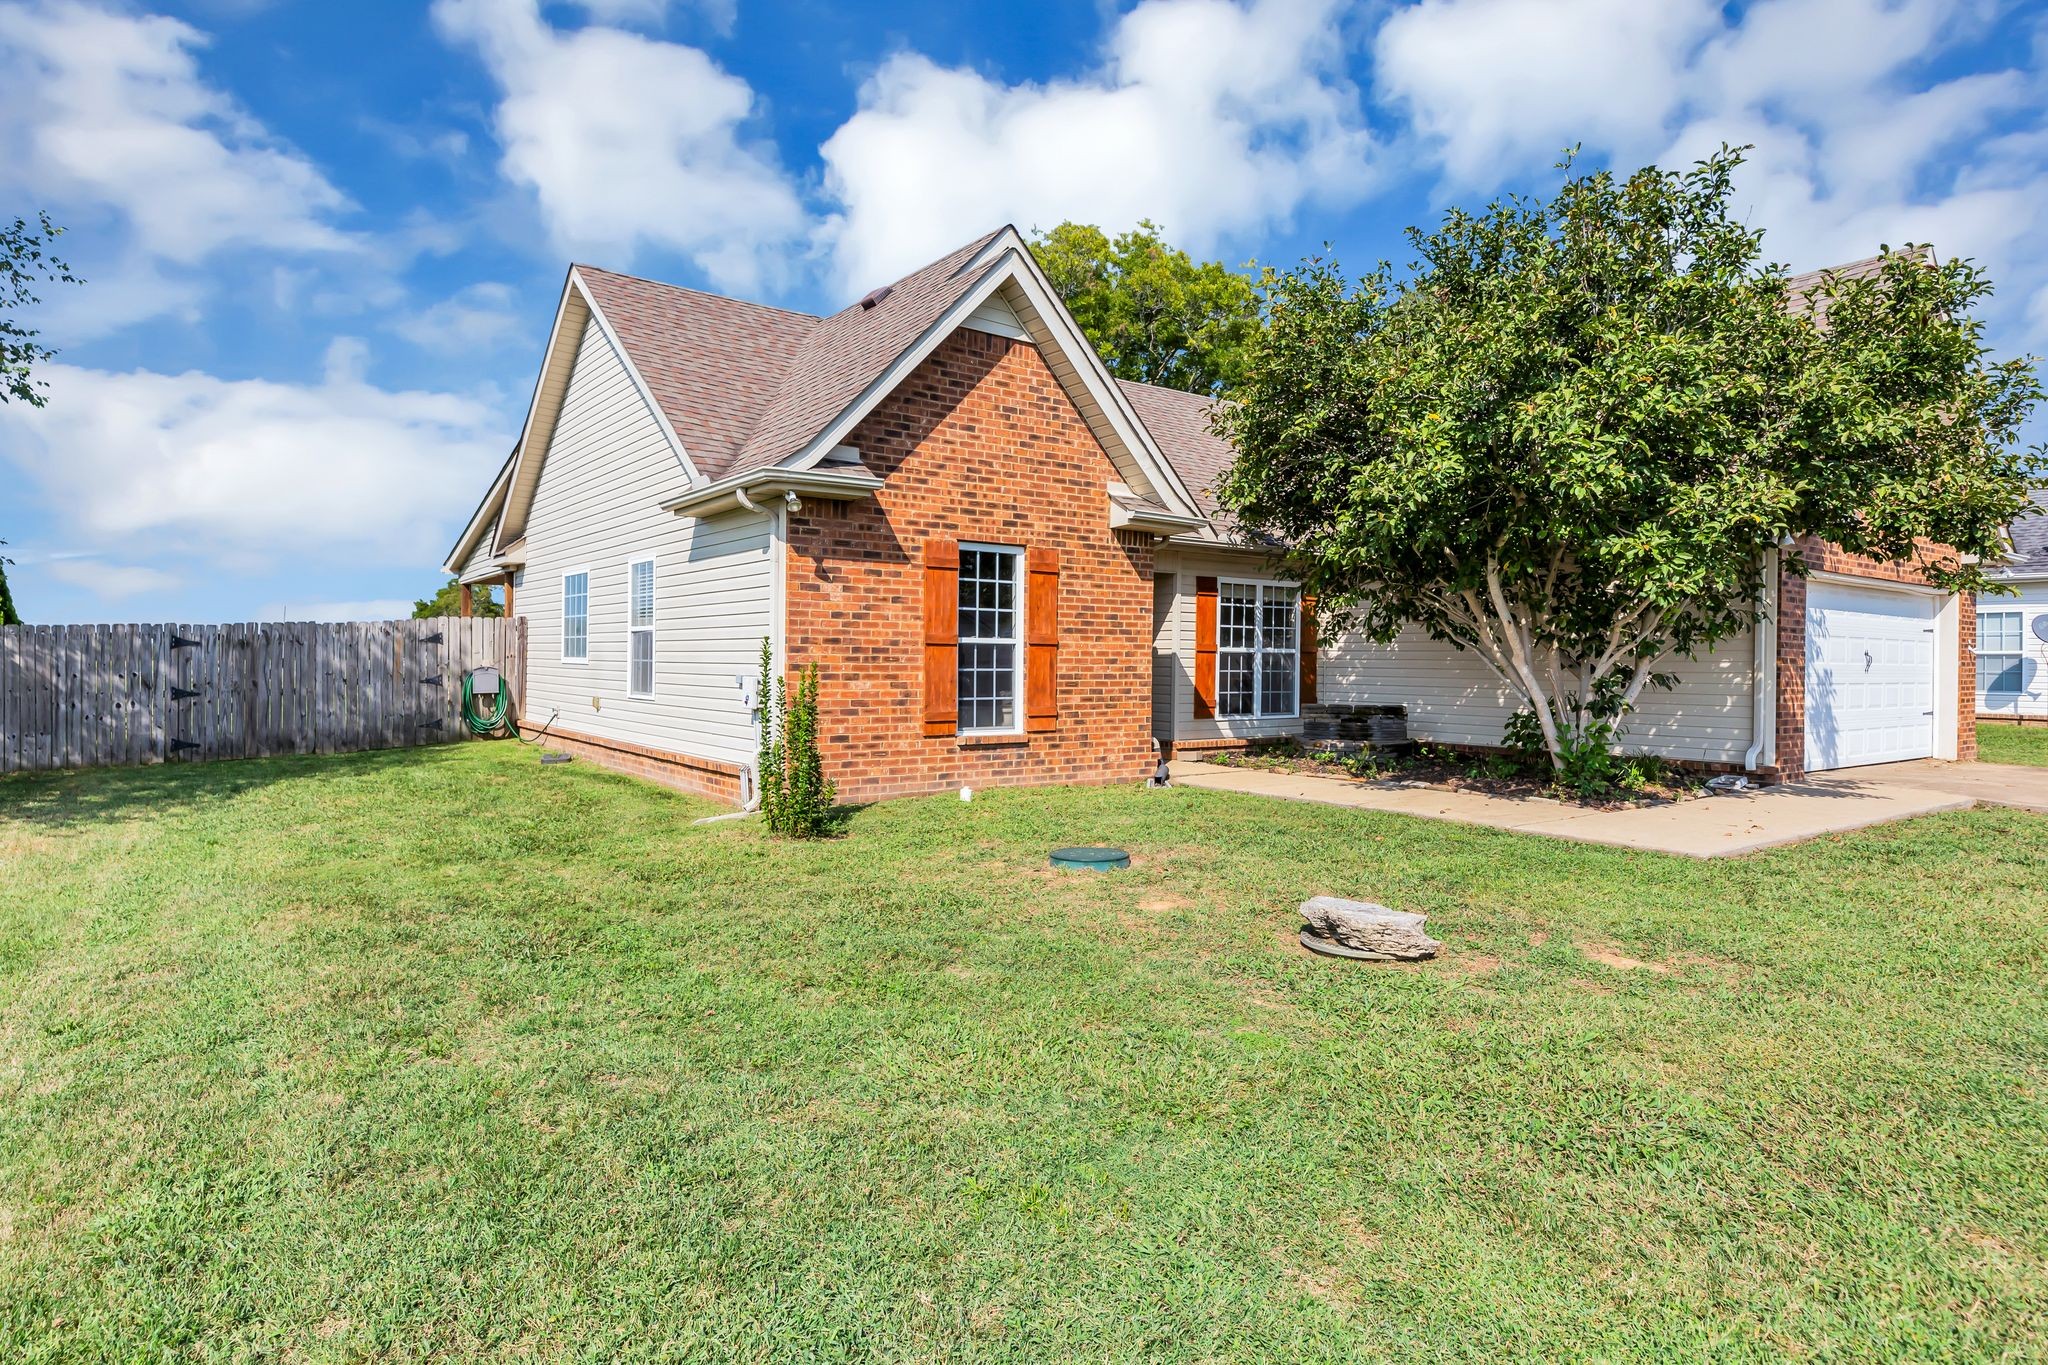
[(109, 582), (106, 111), (1856, 143), (1211, 117), (1492, 84), (477, 318), (250, 473), (627, 141)]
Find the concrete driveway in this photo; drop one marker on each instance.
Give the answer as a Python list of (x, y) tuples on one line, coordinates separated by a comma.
[(1989, 784), (1710, 827)]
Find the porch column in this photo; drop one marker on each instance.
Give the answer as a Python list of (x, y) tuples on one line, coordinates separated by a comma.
[(508, 596), (467, 605)]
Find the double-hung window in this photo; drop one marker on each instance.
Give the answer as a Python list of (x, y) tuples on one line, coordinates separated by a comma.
[(989, 638), (1999, 652), (1258, 650), (640, 628), (576, 616)]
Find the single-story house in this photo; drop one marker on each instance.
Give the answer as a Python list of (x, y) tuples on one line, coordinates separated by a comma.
[(2012, 630), (1011, 567)]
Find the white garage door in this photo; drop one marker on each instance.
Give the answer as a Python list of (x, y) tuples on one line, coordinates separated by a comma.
[(1869, 676)]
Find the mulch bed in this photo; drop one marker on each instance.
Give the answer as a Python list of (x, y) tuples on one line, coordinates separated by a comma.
[(1450, 771)]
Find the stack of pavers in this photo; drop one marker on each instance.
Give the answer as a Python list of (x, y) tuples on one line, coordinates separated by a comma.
[(1348, 729)]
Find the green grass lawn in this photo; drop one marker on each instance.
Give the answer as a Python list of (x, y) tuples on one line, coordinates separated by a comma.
[(2013, 743), (444, 1054)]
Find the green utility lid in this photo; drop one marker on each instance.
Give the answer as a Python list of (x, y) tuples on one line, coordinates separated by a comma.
[(1092, 859)]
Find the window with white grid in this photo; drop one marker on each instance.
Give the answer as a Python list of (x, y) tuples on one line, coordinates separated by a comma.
[(2000, 656), (640, 625), (1258, 654), (989, 636), (576, 616)]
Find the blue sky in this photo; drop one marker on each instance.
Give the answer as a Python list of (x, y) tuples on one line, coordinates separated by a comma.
[(323, 242)]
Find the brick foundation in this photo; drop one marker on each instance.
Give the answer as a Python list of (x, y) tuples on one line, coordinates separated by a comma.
[(980, 443), (710, 777), (1792, 592)]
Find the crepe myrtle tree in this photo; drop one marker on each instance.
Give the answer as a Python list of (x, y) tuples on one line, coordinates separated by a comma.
[(1566, 437)]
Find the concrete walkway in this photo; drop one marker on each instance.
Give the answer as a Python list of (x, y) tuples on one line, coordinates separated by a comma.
[(1710, 827)]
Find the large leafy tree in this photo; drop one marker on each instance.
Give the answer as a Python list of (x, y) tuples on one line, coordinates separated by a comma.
[(447, 601), (1153, 312), (1567, 437)]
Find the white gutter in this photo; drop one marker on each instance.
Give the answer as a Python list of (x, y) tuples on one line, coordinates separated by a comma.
[(743, 490), (1763, 718)]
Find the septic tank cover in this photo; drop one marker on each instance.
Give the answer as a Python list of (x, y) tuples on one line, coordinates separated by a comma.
[(1092, 859)]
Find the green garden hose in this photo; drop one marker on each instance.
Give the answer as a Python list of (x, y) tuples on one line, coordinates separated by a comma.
[(484, 724)]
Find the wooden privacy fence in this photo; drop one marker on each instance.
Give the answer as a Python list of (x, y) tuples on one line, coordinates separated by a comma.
[(100, 696)]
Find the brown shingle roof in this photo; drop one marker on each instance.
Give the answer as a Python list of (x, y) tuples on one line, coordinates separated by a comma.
[(1179, 423), (745, 385), (849, 350), (713, 364), (1804, 290)]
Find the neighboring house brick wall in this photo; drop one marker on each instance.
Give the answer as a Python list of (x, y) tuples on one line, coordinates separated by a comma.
[(978, 444), (1822, 557)]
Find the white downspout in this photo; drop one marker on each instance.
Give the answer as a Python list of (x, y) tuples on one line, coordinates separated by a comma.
[(1763, 720)]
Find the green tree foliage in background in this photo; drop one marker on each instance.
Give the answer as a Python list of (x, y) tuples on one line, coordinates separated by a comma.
[(25, 261), (448, 602), (8, 615), (796, 797), (1152, 311), (1566, 438)]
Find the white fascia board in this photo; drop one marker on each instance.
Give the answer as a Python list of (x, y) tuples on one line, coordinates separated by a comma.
[(675, 442), (1012, 263), (1067, 334), (899, 370), (576, 306), (486, 514)]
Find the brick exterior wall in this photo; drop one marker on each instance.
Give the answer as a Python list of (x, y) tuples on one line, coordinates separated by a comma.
[(978, 444), (1823, 557), (700, 776)]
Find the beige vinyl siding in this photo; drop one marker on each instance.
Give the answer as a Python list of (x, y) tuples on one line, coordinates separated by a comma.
[(1186, 566), (479, 562), (1453, 698), (1165, 662), (998, 317), (597, 508), (2032, 698)]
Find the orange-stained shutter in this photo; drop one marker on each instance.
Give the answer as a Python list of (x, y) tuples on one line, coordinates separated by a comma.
[(1308, 650), (941, 637), (1042, 659), (1205, 647)]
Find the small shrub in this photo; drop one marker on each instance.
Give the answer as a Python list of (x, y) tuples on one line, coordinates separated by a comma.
[(796, 797)]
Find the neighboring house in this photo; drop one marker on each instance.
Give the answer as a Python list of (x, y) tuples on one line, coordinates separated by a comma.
[(1011, 568), (2012, 631)]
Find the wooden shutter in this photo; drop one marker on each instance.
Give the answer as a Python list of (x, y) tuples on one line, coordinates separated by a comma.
[(1205, 647), (941, 637), (1042, 657), (1308, 650)]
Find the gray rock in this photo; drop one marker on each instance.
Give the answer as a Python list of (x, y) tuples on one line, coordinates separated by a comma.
[(1369, 927)]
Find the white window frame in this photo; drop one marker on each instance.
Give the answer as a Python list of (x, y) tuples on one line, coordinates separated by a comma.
[(1257, 652), (2018, 654), (1018, 661), (583, 659), (633, 628)]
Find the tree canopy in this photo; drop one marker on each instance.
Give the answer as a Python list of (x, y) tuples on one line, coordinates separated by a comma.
[(8, 615), (1153, 313), (447, 601), (25, 261), (1568, 436)]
